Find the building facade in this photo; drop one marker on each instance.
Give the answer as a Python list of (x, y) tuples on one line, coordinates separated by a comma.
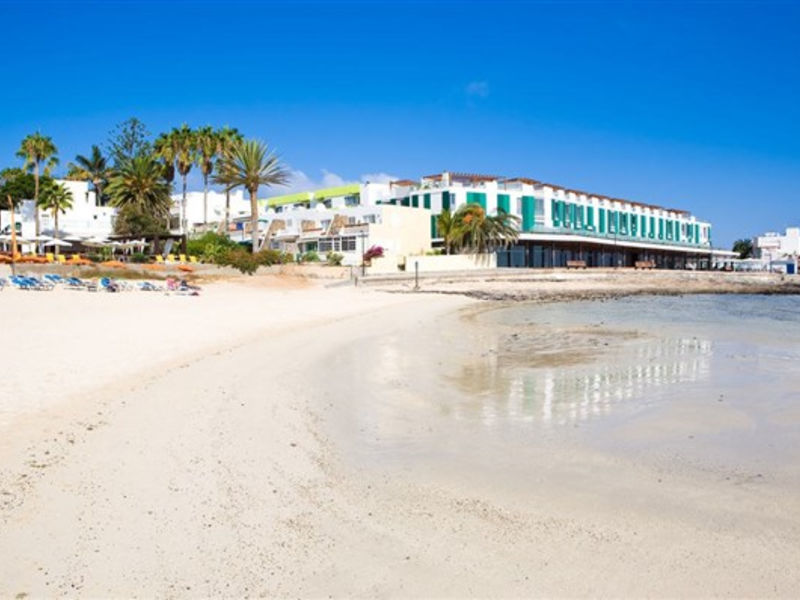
[(85, 219), (557, 225)]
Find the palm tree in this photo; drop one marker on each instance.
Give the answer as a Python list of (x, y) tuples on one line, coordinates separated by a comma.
[(449, 228), (57, 198), (471, 228), (38, 151), (140, 185), (93, 169), (185, 145), (481, 232), (207, 147), (251, 164), (164, 149), (227, 138)]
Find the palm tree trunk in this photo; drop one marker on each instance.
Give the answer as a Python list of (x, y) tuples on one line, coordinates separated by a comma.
[(183, 207), (205, 198), (98, 194), (227, 210), (55, 225), (36, 196), (254, 218)]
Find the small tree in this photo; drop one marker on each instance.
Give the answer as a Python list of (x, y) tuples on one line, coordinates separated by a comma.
[(744, 247), (56, 198), (15, 186)]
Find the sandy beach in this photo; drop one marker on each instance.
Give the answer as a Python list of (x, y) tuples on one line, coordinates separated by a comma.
[(254, 441)]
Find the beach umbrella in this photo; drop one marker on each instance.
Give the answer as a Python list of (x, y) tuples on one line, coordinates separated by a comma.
[(57, 242), (96, 242)]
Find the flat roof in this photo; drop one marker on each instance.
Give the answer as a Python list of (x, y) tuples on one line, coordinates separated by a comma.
[(321, 194)]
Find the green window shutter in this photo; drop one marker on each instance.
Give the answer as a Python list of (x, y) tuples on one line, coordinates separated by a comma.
[(503, 203), (445, 200), (527, 213), (554, 213), (434, 226), (652, 230), (601, 220), (415, 201), (634, 224), (661, 229), (404, 201), (697, 234), (590, 217), (426, 201), (642, 225)]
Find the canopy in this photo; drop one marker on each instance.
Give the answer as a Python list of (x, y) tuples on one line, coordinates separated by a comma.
[(96, 242), (56, 242)]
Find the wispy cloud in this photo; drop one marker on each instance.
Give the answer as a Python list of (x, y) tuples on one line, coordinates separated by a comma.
[(299, 181), (477, 89), (378, 178)]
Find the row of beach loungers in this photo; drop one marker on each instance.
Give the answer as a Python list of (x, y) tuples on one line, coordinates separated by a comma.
[(51, 281)]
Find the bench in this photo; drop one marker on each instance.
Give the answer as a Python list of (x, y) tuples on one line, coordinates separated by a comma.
[(576, 264), (644, 264)]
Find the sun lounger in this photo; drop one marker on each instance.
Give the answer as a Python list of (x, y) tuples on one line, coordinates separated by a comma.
[(171, 258), (60, 258), (159, 259), (182, 258), (193, 260)]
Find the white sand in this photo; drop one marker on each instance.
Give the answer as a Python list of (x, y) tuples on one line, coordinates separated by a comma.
[(181, 447)]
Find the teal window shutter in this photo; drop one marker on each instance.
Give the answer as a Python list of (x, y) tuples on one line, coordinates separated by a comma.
[(527, 213), (503, 203), (601, 221), (426, 201)]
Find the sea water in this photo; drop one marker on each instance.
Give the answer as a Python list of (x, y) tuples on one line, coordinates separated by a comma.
[(708, 382)]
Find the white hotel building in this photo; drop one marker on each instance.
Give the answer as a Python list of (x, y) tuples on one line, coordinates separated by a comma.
[(556, 224)]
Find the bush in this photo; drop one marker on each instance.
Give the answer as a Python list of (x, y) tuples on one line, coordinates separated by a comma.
[(335, 259), (271, 257), (139, 258), (242, 260), (310, 256), (211, 247), (373, 252)]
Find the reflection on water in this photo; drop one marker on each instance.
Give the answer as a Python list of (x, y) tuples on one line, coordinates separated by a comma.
[(568, 395)]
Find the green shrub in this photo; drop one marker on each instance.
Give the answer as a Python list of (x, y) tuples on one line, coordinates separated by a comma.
[(139, 258), (211, 247), (310, 256), (335, 259), (269, 257), (242, 260)]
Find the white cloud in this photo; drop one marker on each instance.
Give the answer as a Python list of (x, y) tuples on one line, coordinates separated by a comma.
[(299, 181), (378, 178), (477, 89)]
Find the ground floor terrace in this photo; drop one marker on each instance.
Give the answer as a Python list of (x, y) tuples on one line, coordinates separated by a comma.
[(554, 253)]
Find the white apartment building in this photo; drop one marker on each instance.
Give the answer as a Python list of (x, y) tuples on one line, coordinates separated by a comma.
[(775, 247), (195, 211), (84, 219), (556, 224)]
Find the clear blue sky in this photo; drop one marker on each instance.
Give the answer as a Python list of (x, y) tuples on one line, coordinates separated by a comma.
[(695, 105)]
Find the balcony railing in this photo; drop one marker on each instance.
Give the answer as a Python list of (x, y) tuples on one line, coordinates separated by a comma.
[(619, 237)]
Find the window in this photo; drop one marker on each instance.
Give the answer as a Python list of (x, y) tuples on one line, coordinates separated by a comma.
[(538, 210), (348, 244), (351, 200)]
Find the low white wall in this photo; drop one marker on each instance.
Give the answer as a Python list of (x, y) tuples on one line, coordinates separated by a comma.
[(434, 264), (452, 262)]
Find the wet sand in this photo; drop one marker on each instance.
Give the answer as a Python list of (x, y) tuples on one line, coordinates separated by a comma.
[(336, 442)]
